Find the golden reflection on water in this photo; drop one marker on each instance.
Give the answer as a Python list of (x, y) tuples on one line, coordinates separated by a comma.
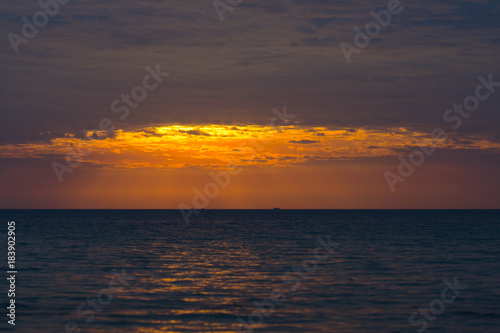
[(209, 289)]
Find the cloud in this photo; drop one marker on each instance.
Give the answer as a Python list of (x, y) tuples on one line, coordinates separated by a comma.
[(304, 142), (195, 132), (263, 55)]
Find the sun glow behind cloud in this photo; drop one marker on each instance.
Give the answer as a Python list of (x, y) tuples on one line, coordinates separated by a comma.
[(216, 146)]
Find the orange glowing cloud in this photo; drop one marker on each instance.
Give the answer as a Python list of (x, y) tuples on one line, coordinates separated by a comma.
[(216, 146)]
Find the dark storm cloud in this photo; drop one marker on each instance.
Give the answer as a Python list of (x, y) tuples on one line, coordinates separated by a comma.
[(263, 55)]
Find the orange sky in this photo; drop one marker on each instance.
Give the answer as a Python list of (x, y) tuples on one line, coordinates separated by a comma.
[(288, 167)]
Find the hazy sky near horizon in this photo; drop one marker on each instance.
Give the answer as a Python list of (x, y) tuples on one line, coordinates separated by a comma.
[(351, 122)]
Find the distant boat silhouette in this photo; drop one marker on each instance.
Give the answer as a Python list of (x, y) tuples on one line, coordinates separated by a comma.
[(276, 209)]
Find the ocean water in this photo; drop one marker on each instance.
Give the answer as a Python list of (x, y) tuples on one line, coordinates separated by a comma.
[(254, 270)]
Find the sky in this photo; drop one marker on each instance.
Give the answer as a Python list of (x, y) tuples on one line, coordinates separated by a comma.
[(125, 104)]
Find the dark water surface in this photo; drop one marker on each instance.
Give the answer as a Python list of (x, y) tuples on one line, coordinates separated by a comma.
[(147, 271)]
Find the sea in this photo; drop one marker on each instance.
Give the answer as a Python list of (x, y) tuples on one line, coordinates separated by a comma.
[(148, 271)]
